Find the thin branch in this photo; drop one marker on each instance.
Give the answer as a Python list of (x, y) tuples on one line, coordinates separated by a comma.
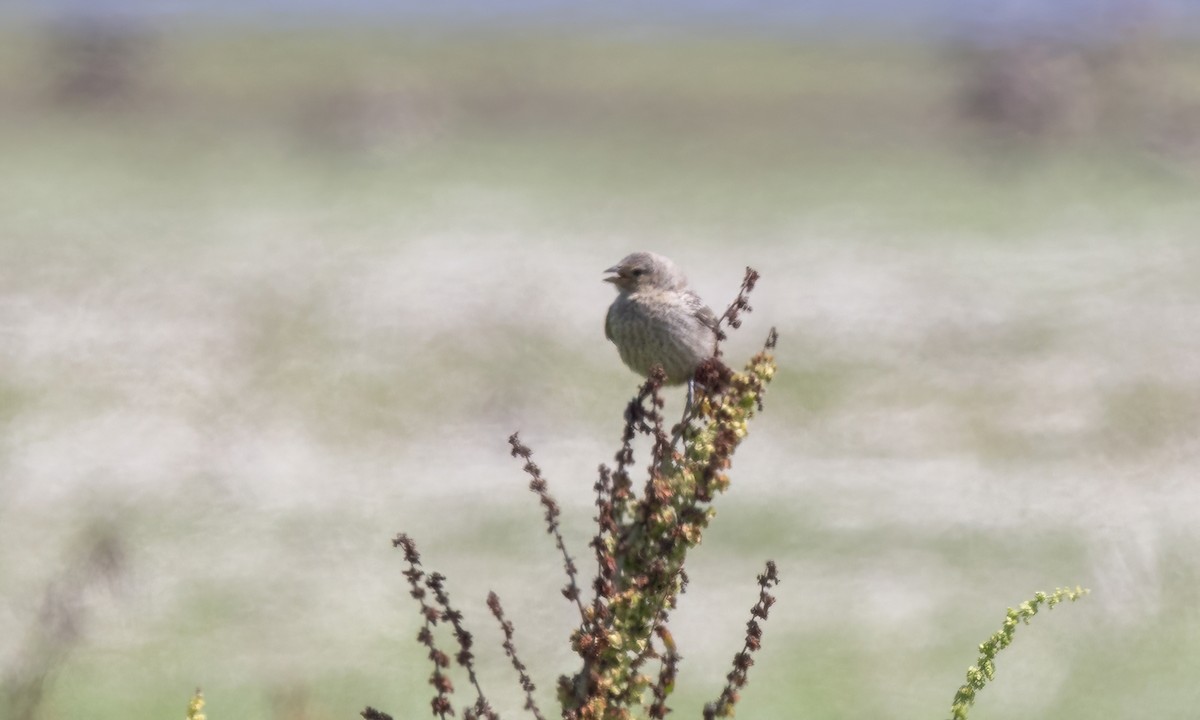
[(606, 523), (441, 683), (662, 450), (743, 660), (648, 421), (713, 375), (510, 650), (666, 675), (732, 315), (437, 583), (660, 624), (538, 485)]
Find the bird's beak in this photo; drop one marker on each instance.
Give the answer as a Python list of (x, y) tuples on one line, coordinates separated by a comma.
[(616, 270)]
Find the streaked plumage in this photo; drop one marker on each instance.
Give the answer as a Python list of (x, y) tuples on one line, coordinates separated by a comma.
[(657, 319)]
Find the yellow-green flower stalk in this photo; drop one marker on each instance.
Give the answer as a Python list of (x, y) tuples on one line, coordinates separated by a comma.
[(979, 674), (195, 708)]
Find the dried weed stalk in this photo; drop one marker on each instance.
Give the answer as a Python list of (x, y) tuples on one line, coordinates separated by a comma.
[(642, 539)]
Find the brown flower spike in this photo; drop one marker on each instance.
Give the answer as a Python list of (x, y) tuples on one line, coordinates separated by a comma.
[(644, 529)]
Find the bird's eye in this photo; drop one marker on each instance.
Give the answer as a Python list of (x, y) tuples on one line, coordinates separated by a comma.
[(638, 272)]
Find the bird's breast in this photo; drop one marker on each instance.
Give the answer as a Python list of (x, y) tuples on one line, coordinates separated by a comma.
[(659, 329)]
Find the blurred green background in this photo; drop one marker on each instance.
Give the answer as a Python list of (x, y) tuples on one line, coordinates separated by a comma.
[(272, 291)]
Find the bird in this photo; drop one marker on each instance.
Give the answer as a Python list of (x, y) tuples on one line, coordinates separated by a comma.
[(658, 320)]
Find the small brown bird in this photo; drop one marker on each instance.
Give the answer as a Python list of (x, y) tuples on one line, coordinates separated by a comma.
[(657, 320)]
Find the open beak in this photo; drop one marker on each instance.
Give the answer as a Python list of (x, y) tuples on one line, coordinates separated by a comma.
[(616, 270)]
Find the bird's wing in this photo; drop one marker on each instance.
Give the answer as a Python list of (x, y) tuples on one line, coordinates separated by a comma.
[(702, 312)]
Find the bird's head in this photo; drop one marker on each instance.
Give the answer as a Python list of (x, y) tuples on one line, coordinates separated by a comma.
[(645, 271)]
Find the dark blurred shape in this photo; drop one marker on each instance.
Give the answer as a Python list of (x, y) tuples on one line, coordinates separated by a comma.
[(1125, 88), (60, 624), (290, 702), (1030, 90), (96, 63)]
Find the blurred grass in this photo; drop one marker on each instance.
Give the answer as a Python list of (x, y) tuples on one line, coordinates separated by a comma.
[(233, 336), (702, 135)]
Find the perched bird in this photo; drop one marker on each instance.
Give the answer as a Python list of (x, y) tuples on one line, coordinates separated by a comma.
[(657, 320)]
